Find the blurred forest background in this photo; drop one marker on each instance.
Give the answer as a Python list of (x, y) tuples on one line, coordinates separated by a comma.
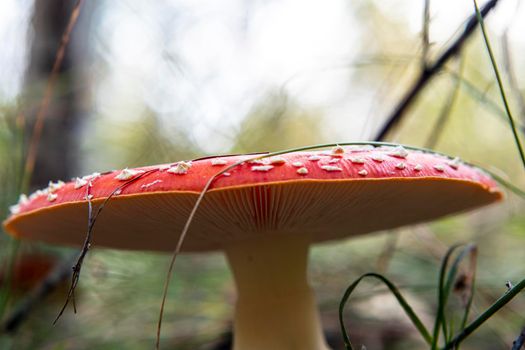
[(159, 81)]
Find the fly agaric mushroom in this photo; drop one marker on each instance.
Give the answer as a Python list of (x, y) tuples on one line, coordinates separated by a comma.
[(28, 271), (264, 214)]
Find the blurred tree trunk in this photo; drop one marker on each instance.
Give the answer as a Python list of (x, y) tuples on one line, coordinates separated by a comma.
[(57, 156), (58, 147)]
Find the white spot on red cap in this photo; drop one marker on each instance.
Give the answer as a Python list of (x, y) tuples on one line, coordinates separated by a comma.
[(357, 160), (218, 161), (14, 209), (378, 158), (23, 199), (180, 168), (51, 197), (91, 176), (334, 160), (226, 174), (127, 174), (151, 184), (80, 182), (302, 171), (314, 158), (439, 168), (37, 193), (297, 164), (418, 167), (262, 168), (401, 166), (337, 151), (256, 161), (331, 168), (54, 186), (399, 152), (277, 160), (363, 172), (454, 163)]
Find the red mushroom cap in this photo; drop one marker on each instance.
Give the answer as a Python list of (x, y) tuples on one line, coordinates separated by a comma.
[(327, 194), (28, 271)]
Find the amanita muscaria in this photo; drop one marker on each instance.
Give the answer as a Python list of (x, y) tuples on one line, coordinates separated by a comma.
[(264, 214)]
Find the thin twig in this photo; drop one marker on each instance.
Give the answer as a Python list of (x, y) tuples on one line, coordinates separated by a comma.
[(425, 36), (509, 68), (520, 341), (48, 93), (180, 241), (482, 97), (75, 277), (426, 75)]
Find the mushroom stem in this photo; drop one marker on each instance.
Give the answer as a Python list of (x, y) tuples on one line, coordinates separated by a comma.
[(275, 307)]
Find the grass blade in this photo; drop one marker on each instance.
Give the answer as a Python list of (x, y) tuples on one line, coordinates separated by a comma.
[(516, 190), (442, 298), (401, 300), (481, 96), (472, 272), (500, 83), (468, 281)]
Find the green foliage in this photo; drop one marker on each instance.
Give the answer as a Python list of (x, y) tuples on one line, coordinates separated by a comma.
[(277, 123), (11, 174), (449, 279), (139, 141)]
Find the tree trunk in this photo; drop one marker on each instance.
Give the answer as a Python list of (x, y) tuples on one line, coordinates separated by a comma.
[(58, 146)]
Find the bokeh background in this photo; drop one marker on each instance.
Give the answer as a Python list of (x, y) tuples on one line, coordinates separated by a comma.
[(150, 82)]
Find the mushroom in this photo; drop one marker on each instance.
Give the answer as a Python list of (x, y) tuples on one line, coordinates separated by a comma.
[(264, 214), (28, 271)]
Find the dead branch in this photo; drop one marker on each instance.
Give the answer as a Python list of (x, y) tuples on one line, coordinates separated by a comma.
[(431, 71)]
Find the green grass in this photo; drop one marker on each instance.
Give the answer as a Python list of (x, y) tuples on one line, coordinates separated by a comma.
[(448, 277)]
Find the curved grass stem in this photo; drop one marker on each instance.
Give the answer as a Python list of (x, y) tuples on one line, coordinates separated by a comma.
[(500, 84), (400, 299)]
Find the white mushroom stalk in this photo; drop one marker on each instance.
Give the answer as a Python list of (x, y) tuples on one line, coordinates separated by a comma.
[(275, 306)]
